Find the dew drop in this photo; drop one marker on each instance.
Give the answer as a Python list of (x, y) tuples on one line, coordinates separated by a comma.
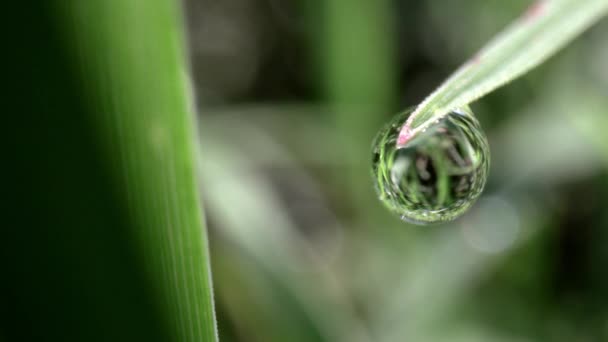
[(438, 174)]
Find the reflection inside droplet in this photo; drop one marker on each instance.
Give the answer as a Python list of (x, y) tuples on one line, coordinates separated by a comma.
[(437, 174)]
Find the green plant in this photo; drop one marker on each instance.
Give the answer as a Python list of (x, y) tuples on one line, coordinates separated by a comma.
[(422, 187), (137, 82), (104, 236), (111, 244), (540, 32)]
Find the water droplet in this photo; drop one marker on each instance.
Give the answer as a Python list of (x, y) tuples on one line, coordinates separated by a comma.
[(438, 174)]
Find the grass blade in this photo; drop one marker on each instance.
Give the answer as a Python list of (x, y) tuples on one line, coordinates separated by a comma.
[(132, 61), (541, 31)]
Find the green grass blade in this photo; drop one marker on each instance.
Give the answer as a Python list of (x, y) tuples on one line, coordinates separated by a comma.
[(541, 31), (131, 56)]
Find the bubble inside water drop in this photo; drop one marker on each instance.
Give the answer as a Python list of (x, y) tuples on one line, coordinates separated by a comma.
[(438, 174)]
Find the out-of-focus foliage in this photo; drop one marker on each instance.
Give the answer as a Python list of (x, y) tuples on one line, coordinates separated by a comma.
[(102, 231), (302, 250)]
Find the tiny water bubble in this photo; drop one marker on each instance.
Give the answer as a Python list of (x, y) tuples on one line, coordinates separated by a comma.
[(437, 174)]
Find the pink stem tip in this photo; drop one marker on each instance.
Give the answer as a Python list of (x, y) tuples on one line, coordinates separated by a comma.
[(404, 136), (535, 10)]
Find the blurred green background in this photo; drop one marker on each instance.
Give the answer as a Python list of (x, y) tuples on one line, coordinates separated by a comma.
[(291, 94)]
